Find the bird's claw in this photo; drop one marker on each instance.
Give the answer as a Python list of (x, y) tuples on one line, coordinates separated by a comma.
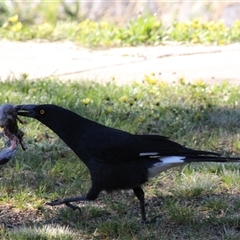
[(68, 204), (151, 221), (73, 207), (54, 203)]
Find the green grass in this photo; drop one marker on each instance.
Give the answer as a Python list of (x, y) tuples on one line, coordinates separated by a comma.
[(143, 30), (198, 201)]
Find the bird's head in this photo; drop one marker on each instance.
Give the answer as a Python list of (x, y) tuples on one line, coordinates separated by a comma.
[(51, 115), (65, 123), (48, 114), (38, 112)]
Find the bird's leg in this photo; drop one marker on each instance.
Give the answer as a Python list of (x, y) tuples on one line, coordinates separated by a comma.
[(140, 195), (67, 201)]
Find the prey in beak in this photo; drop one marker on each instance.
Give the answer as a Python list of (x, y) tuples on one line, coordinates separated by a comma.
[(9, 123)]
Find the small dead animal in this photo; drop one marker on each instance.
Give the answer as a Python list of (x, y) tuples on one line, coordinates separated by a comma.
[(8, 121), (9, 152)]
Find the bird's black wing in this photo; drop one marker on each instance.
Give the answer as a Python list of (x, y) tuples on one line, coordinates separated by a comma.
[(114, 145)]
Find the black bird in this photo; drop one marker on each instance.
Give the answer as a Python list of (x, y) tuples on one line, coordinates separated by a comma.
[(116, 159)]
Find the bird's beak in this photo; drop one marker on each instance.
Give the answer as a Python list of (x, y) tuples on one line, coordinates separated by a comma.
[(27, 110)]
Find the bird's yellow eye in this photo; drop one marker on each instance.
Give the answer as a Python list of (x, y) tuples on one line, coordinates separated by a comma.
[(41, 112)]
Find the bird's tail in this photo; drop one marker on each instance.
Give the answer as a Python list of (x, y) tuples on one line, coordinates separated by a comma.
[(189, 159), (188, 155), (191, 155), (210, 159)]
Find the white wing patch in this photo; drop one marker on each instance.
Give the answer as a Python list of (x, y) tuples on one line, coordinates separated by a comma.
[(164, 164), (148, 154), (172, 159)]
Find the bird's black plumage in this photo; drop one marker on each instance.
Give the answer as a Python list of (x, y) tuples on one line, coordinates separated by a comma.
[(116, 159)]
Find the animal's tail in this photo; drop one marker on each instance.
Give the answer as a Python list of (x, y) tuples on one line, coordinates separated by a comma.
[(189, 159), (210, 159)]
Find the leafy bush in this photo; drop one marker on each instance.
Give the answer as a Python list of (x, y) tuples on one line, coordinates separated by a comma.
[(147, 30)]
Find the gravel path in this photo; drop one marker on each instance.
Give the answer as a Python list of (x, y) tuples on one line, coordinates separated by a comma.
[(67, 60)]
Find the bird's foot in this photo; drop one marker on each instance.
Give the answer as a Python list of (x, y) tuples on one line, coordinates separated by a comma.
[(67, 201), (55, 203), (68, 204), (73, 207), (151, 221)]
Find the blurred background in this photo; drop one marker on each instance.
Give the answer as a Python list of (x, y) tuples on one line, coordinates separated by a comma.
[(119, 11)]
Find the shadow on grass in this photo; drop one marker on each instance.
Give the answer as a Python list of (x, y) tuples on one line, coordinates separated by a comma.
[(180, 218)]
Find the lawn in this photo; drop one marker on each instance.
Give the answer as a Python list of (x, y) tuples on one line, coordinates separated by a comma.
[(198, 201)]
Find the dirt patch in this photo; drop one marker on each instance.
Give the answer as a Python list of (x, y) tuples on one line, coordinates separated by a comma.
[(11, 217)]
